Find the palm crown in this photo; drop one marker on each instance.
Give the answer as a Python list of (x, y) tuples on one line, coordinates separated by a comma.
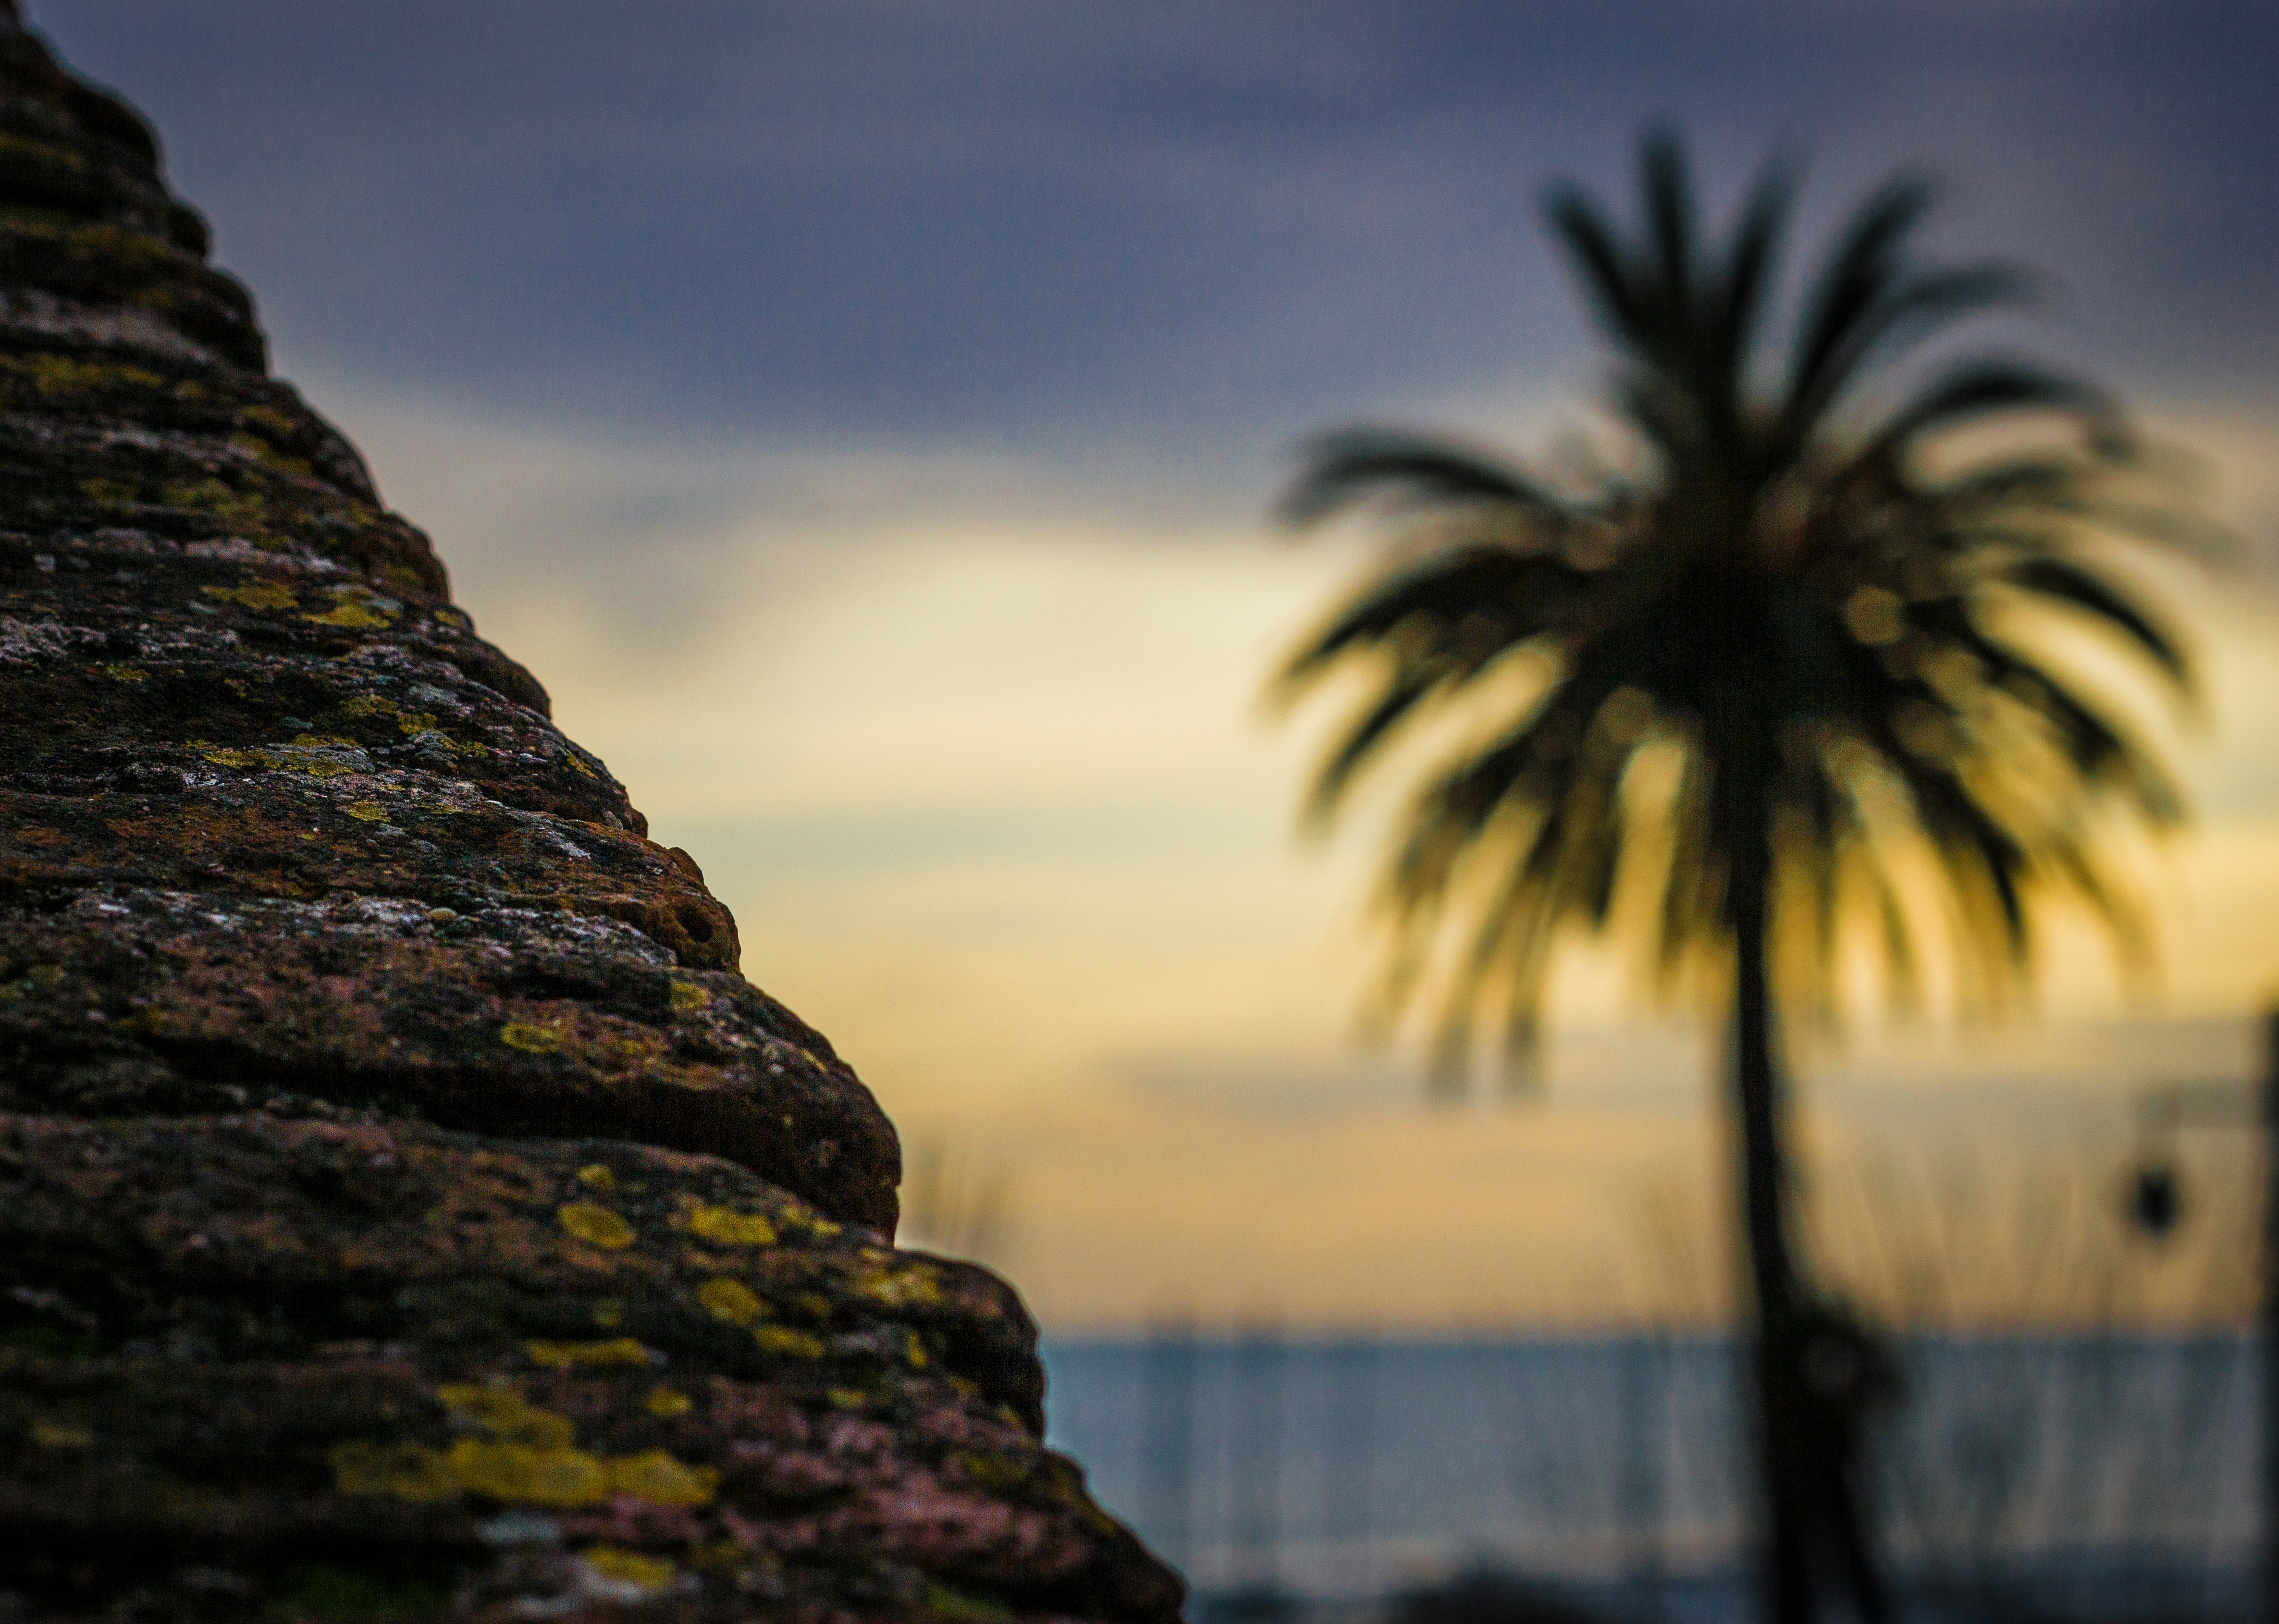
[(1818, 609)]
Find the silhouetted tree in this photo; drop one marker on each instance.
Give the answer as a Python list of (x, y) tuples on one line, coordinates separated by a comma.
[(1787, 650)]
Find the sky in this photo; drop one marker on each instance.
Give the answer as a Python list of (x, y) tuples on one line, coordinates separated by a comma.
[(863, 418)]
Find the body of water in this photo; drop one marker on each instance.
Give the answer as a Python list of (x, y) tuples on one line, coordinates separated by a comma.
[(2099, 1475)]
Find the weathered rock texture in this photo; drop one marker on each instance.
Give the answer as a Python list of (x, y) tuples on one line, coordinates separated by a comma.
[(406, 1209)]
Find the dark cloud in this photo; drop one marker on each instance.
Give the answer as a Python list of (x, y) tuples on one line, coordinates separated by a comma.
[(1200, 227)]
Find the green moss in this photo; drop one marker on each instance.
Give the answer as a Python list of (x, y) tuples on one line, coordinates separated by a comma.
[(212, 496), (255, 594), (58, 375), (52, 154), (50, 1339), (945, 1603), (120, 246), (35, 215), (323, 1591), (994, 1471)]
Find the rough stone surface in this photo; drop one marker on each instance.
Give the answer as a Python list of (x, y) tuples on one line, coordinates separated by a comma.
[(406, 1209)]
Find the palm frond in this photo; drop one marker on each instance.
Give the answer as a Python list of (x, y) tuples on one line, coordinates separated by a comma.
[(1621, 304), (2077, 585), (1356, 464), (1668, 192), (1897, 314), (1398, 703), (1857, 275), (1747, 275), (1455, 611), (1981, 389)]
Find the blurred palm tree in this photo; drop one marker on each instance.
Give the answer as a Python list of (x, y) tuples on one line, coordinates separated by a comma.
[(1787, 655)]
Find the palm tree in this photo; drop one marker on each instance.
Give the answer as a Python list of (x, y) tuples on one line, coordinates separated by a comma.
[(1787, 657)]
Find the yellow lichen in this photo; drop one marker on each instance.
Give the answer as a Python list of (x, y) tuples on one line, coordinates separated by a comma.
[(527, 1456), (237, 758), (123, 246), (106, 493), (45, 152), (400, 1471), (301, 759), (570, 1355), (658, 1478), (999, 1473), (512, 1470), (254, 594), (268, 418), (53, 375), (847, 1398), (260, 451), (727, 1227), (729, 1299), (368, 812), (597, 1226), (796, 1218), (666, 1402), (356, 610), (944, 1602), (608, 1317), (212, 497), (451, 618), (625, 1566), (125, 673), (49, 1434), (686, 995), (532, 1040), (595, 1176), (370, 705), (784, 1339), (912, 1285), (504, 1413)]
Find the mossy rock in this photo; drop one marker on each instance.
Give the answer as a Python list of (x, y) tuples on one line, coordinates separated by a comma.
[(407, 1209)]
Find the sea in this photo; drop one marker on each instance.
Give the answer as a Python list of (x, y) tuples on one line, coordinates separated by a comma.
[(2101, 1476)]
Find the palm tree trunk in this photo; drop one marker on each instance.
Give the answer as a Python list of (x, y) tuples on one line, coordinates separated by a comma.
[(1784, 1572)]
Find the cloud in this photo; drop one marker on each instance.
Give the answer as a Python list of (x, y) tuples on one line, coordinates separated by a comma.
[(1204, 228)]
